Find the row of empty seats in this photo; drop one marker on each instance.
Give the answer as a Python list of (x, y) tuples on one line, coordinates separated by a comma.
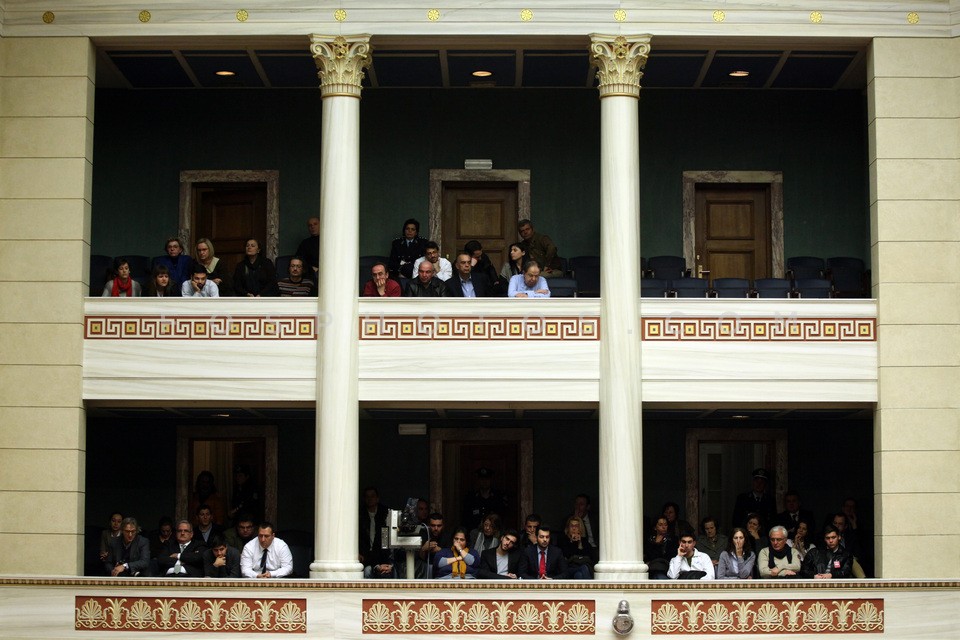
[(736, 288)]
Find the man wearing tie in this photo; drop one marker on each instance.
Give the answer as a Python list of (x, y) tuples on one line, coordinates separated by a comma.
[(541, 561), (266, 557), (183, 556)]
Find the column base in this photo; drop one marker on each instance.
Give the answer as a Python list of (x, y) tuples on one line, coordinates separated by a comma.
[(332, 570), (620, 571)]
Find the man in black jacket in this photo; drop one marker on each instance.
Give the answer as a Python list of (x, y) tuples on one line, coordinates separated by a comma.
[(426, 284), (221, 560), (467, 283), (828, 562), (502, 563), (183, 557)]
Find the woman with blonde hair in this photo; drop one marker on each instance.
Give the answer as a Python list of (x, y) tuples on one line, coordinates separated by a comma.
[(215, 269)]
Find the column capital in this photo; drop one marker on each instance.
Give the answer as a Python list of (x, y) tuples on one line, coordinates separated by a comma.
[(620, 61), (340, 63)]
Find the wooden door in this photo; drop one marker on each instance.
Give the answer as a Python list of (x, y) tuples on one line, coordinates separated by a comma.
[(483, 211), (733, 230), (461, 461), (228, 214)]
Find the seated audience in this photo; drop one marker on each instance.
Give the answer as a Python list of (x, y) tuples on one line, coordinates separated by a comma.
[(406, 249), (529, 284), (434, 539), (183, 557), (738, 559), (158, 539), (677, 525), (220, 560), (309, 249), (441, 266), (831, 561), (425, 285), (267, 556), (198, 286), (659, 549), (711, 541), (216, 270), (516, 257), (122, 285), (467, 283), (690, 564), (160, 285), (778, 560), (481, 264), (129, 554), (755, 537), (503, 562), (530, 525), (582, 509), (579, 553), (177, 262), (206, 527), (457, 561), (296, 285), (108, 534), (242, 532), (540, 248), (487, 535), (255, 276), (799, 541), (542, 561), (380, 285)]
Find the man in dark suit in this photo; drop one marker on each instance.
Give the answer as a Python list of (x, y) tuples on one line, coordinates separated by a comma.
[(792, 515), (129, 554), (183, 557), (466, 283), (757, 500), (542, 561), (221, 560), (503, 562)]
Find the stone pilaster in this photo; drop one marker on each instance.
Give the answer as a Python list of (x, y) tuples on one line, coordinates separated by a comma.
[(620, 60), (341, 61)]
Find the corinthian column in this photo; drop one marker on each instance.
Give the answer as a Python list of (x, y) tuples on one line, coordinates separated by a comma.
[(340, 63), (619, 61)]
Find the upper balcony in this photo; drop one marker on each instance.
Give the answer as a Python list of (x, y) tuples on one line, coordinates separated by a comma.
[(501, 350)]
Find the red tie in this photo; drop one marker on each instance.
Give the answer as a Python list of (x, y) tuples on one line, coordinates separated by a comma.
[(543, 563)]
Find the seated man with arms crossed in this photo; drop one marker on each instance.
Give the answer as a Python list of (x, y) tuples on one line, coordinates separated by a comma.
[(183, 557), (778, 560)]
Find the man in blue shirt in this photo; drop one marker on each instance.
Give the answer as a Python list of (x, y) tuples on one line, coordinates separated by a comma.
[(529, 284)]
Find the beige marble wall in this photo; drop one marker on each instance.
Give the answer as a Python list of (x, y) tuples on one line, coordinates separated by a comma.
[(46, 152), (914, 126)]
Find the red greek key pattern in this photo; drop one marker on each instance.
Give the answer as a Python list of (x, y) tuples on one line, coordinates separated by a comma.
[(479, 328), (200, 328), (761, 329), (96, 613), (681, 617), (479, 616)]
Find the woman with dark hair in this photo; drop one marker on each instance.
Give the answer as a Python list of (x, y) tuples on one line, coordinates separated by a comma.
[(405, 250), (113, 531), (487, 535), (176, 261), (738, 560), (215, 268), (459, 562), (711, 541), (799, 540), (755, 535), (514, 265), (255, 276), (122, 285), (671, 511), (659, 549), (161, 285)]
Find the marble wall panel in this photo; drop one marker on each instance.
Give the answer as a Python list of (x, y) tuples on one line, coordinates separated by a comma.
[(914, 57), (913, 97), (44, 57), (916, 220), (42, 428), (919, 387), (45, 137), (919, 345), (42, 470), (44, 177), (58, 97), (917, 138), (44, 219), (917, 179), (40, 344), (917, 430)]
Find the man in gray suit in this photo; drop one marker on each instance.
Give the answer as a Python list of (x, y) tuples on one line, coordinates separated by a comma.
[(129, 552)]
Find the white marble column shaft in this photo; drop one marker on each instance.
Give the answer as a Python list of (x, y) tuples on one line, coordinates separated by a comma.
[(341, 62), (621, 470)]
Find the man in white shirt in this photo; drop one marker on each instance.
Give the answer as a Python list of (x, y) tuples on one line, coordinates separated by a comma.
[(267, 556), (442, 266), (198, 286), (689, 559)]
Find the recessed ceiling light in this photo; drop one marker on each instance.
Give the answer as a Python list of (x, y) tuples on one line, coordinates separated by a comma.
[(226, 73), (739, 74), (483, 74), (739, 417), (220, 415)]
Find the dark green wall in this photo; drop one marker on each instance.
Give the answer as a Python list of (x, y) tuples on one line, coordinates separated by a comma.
[(143, 139)]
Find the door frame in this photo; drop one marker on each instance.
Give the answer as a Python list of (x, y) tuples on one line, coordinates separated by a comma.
[(773, 178), (522, 435), (188, 180), (696, 435), (439, 176)]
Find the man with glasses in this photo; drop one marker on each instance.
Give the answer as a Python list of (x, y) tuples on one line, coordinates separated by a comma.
[(503, 562), (778, 560), (129, 552), (831, 561), (183, 557)]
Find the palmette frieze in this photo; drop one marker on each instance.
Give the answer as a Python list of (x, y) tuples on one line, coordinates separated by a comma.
[(105, 613), (620, 61), (479, 616), (341, 61), (683, 617)]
